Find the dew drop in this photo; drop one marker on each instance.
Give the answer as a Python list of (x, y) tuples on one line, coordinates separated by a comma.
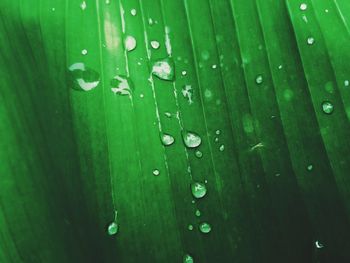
[(310, 167), (187, 259), (83, 5), (310, 41), (155, 44), (156, 172), (303, 7), (318, 244), (133, 12), (184, 73), (84, 52), (130, 43), (346, 83), (167, 114), (198, 213), (327, 107), (259, 79), (188, 93), (199, 154), (222, 148), (205, 227), (108, 2), (199, 190), (214, 66), (150, 21), (191, 139), (83, 78), (217, 132), (112, 229), (164, 69), (167, 139), (205, 55), (121, 85), (190, 227)]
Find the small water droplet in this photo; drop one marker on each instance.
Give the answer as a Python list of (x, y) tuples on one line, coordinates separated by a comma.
[(156, 172), (208, 94), (188, 93), (191, 139), (217, 132), (84, 52), (199, 154), (83, 5), (303, 7), (199, 190), (216, 139), (184, 73), (155, 44), (310, 40), (83, 78), (205, 55), (214, 66), (205, 227), (121, 85), (198, 213), (130, 43), (327, 107), (150, 21), (112, 228), (326, 10), (318, 244), (53, 9), (190, 227), (167, 114), (133, 12), (164, 69), (188, 259), (280, 67), (108, 2), (346, 83), (222, 148), (167, 139), (259, 79), (310, 167)]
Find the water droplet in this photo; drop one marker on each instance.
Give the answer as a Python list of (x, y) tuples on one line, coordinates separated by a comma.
[(167, 139), (190, 227), (167, 114), (130, 43), (198, 213), (156, 172), (187, 259), (310, 167), (199, 190), (205, 55), (184, 73), (208, 94), (108, 2), (259, 80), (280, 67), (112, 228), (318, 244), (53, 9), (121, 85), (188, 93), (191, 139), (133, 12), (83, 5), (326, 10), (205, 227), (164, 69), (310, 40), (83, 78), (214, 66), (155, 44), (346, 83), (222, 148), (84, 52), (199, 154), (217, 132), (150, 21), (327, 107), (303, 7)]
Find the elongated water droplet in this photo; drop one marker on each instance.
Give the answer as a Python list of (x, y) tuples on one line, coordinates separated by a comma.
[(205, 227), (199, 190), (130, 43), (191, 139), (303, 7), (167, 139), (346, 83), (199, 154), (121, 85), (156, 172), (327, 107), (188, 259), (259, 80), (164, 69), (310, 41), (83, 78), (112, 228), (155, 44)]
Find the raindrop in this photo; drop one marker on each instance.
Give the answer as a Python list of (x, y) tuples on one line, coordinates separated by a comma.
[(205, 55), (199, 154), (83, 5), (346, 83), (310, 167), (199, 190), (187, 259), (121, 85), (156, 172), (150, 21), (167, 139), (327, 107), (191, 139), (217, 132), (310, 41), (216, 139), (259, 79), (198, 213), (167, 114), (318, 244), (155, 44), (84, 52), (222, 148), (133, 12), (190, 227), (205, 227), (53, 9), (130, 43), (303, 7), (108, 2), (83, 78), (113, 227), (164, 69), (184, 73), (214, 66)]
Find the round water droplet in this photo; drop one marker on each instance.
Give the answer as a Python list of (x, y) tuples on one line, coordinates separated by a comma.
[(259, 79), (191, 139), (84, 52), (198, 213), (188, 259), (112, 229), (222, 148), (217, 132), (190, 227), (310, 167), (310, 40), (130, 43), (199, 190), (167, 139), (82, 78), (205, 227), (155, 44), (156, 172), (164, 69), (133, 12), (214, 66), (199, 154), (121, 85), (303, 7), (327, 107)]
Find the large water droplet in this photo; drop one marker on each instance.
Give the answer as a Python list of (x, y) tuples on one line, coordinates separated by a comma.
[(164, 69), (121, 85), (83, 78), (199, 190), (205, 227), (167, 139), (191, 139), (327, 107), (188, 259), (130, 43)]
